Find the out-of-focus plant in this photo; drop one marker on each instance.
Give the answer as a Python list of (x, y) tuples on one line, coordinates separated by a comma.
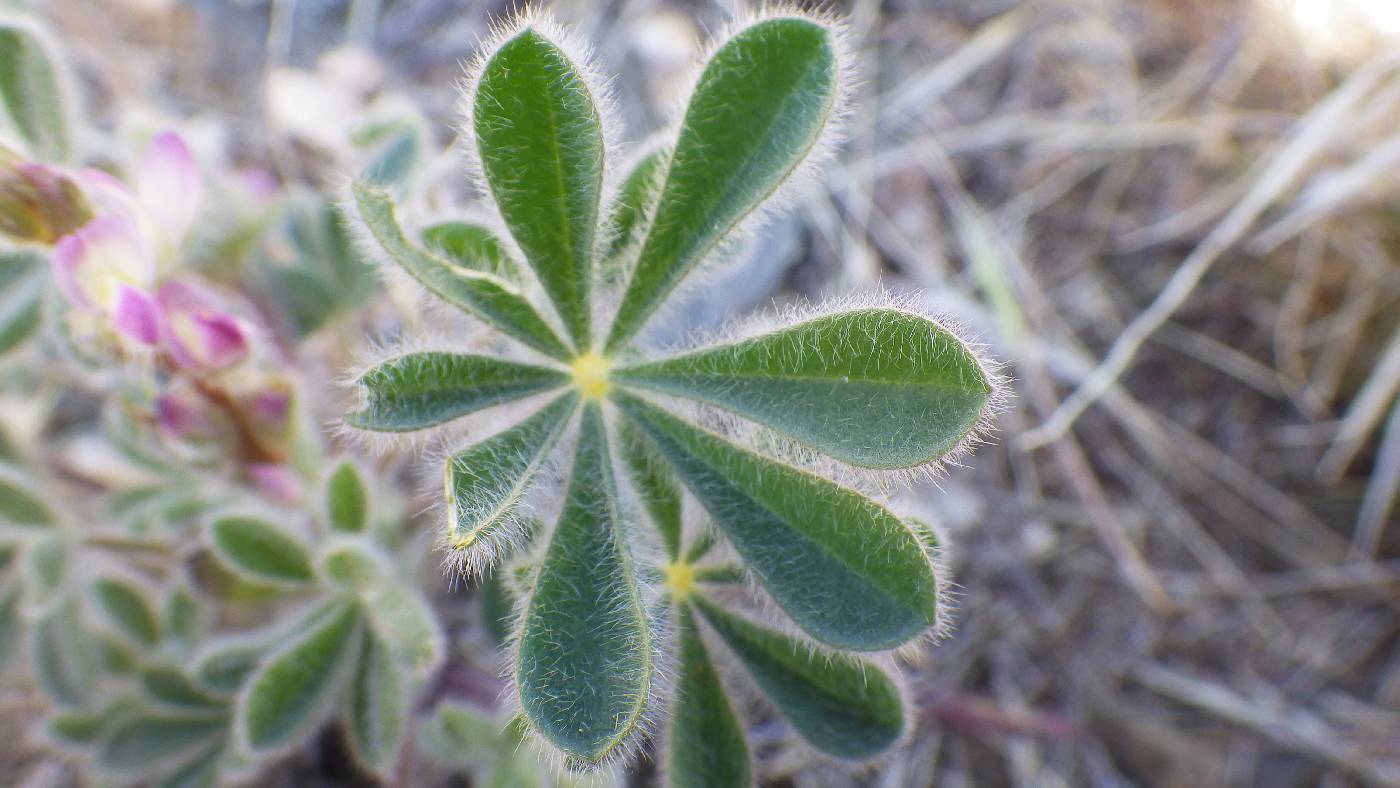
[(770, 431), (197, 583)]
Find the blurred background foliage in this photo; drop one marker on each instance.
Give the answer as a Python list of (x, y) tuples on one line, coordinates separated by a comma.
[(1178, 219)]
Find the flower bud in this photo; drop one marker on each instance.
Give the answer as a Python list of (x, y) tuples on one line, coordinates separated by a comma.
[(38, 203)]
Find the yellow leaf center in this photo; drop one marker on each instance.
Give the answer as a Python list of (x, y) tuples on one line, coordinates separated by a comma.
[(591, 375), (680, 580)]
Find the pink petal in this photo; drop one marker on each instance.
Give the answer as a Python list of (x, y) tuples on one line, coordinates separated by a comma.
[(91, 264), (136, 316), (69, 255), (277, 482), (108, 195), (168, 185), (198, 332), (178, 418), (258, 184)]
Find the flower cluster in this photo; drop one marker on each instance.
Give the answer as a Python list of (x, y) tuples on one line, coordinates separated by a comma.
[(117, 258)]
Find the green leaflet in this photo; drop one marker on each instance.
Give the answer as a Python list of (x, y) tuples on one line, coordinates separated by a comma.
[(705, 747), (720, 574), (347, 504), (353, 565), (33, 95), (225, 666), (465, 736), (486, 482), (79, 728), (20, 299), (148, 739), (11, 626), (628, 213), (171, 687), (472, 246), (312, 268), (183, 620), (19, 507), (655, 484), (260, 551), (45, 567), (540, 141), (585, 665), (419, 390), (497, 605), (201, 771), (376, 706), (879, 388), (844, 568), (399, 150), (287, 695), (844, 706), (64, 656), (757, 111), (401, 617), (490, 298), (128, 610)]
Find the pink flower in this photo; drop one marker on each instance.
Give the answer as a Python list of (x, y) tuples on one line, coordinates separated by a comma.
[(197, 330), (109, 266), (104, 268)]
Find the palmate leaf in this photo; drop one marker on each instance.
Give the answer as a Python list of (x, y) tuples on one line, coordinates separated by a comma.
[(844, 706), (287, 695), (490, 298), (420, 390), (585, 644), (759, 108), (879, 388), (540, 141), (486, 482), (845, 569), (705, 746)]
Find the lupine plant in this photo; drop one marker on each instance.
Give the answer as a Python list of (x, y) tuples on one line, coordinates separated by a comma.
[(685, 523)]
